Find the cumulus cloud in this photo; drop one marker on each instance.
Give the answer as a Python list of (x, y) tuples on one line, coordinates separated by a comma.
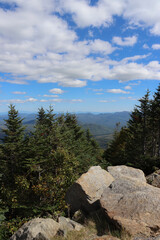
[(142, 13), (156, 46), (38, 44), (116, 91), (85, 15), (99, 46), (126, 41), (56, 91)]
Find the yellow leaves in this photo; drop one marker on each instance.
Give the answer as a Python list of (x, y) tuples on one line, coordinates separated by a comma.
[(21, 182)]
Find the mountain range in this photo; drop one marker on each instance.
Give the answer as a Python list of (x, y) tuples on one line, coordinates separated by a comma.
[(101, 125)]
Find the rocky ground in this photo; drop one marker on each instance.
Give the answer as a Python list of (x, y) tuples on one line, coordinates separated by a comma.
[(117, 203)]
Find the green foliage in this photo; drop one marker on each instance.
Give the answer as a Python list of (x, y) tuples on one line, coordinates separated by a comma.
[(11, 161), (38, 168), (8, 228), (138, 144)]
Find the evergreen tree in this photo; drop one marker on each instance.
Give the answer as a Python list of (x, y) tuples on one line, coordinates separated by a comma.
[(12, 154), (133, 145), (156, 103)]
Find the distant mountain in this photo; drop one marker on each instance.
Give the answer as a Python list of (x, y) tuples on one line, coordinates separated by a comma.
[(105, 119), (101, 125)]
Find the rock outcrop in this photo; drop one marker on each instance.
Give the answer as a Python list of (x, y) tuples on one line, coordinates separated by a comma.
[(86, 191), (133, 207), (46, 229), (154, 179), (37, 229), (66, 225), (123, 171), (123, 193)]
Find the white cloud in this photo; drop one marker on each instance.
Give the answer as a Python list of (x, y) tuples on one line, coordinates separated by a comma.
[(18, 100), (56, 91), (126, 41), (129, 98), (135, 58), (77, 100), (73, 83), (99, 46), (31, 100), (39, 45), (103, 101), (145, 46), (90, 33), (107, 101), (20, 93), (117, 91), (43, 100), (127, 87), (85, 15), (156, 46), (142, 13), (50, 96)]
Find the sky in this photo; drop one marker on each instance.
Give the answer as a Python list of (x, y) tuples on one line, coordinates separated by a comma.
[(78, 55)]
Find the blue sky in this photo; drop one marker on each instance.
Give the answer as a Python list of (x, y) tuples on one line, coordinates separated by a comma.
[(78, 55)]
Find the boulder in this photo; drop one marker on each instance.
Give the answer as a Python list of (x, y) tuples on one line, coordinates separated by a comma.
[(87, 190), (154, 178), (127, 172), (66, 225), (133, 205), (37, 229)]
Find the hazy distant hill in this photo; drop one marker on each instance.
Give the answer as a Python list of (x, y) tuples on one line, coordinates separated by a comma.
[(105, 119), (100, 125)]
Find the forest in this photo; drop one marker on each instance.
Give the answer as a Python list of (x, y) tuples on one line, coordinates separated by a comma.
[(38, 167)]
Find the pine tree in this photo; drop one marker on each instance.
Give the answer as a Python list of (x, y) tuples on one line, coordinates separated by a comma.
[(156, 103), (12, 155), (132, 145)]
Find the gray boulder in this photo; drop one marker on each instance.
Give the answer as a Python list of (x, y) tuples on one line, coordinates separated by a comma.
[(66, 225), (37, 229), (87, 190), (127, 172), (154, 179), (133, 206)]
